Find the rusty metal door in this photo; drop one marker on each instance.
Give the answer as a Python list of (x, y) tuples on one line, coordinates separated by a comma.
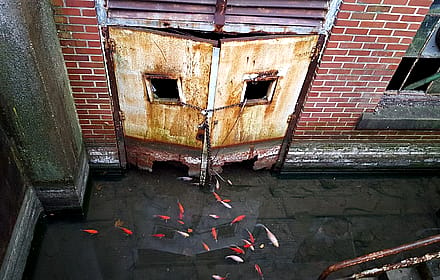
[(154, 73), (267, 74), (170, 84)]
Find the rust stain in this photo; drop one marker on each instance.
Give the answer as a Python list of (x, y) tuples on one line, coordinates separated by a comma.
[(140, 52), (289, 56)]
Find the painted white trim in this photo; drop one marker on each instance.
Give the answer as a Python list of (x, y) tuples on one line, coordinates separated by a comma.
[(330, 18)]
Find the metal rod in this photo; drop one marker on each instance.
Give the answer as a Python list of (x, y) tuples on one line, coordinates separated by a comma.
[(402, 264), (379, 254), (426, 80), (204, 165)]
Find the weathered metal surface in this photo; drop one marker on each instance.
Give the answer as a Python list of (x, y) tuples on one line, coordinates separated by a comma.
[(289, 57), (219, 16), (402, 264), (379, 254), (293, 121), (235, 16), (119, 131), (138, 52)]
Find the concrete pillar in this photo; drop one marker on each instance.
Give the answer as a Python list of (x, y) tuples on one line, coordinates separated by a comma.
[(36, 105)]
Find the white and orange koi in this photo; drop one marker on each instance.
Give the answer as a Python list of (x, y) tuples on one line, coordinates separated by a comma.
[(259, 271), (217, 184), (218, 277), (270, 235), (225, 204), (214, 216), (235, 258), (217, 197), (237, 219), (248, 245), (251, 237), (214, 233), (184, 234), (205, 246)]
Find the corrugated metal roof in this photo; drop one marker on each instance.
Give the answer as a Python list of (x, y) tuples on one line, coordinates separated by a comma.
[(241, 16)]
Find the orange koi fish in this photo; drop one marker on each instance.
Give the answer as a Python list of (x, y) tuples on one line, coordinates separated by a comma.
[(126, 230), (158, 235), (163, 217), (181, 210), (214, 233), (205, 246), (237, 250), (217, 197), (181, 222), (237, 219), (214, 216), (190, 230), (91, 231), (226, 200), (251, 237), (259, 271)]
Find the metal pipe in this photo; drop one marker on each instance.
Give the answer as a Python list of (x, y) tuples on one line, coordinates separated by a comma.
[(379, 254), (205, 162), (402, 264)]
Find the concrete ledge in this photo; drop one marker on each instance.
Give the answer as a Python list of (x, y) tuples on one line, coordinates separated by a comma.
[(361, 156), (404, 111), (103, 157), (19, 246), (65, 195)]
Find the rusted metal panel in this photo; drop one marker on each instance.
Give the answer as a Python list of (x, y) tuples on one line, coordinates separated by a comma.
[(293, 120), (139, 52), (300, 17), (289, 57)]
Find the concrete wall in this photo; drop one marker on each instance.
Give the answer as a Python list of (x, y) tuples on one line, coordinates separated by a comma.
[(43, 161), (11, 191), (37, 104)]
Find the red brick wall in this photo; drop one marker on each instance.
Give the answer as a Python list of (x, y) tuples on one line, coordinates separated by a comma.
[(80, 40), (364, 49)]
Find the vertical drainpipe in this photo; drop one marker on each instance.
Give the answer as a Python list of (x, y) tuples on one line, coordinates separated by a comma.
[(205, 164)]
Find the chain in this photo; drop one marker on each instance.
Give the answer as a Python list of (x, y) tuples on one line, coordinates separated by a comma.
[(205, 127), (204, 111)]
